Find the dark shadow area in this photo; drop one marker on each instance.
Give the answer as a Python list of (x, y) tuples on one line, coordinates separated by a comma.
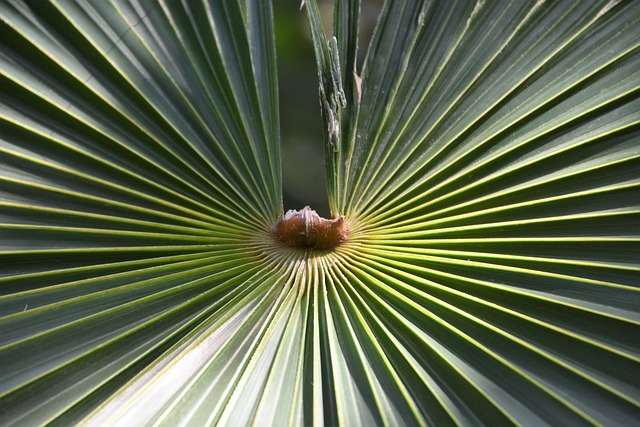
[(303, 171)]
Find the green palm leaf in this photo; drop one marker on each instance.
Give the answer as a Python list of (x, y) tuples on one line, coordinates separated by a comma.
[(485, 158)]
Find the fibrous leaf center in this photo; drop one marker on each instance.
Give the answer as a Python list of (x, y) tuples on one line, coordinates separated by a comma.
[(306, 229)]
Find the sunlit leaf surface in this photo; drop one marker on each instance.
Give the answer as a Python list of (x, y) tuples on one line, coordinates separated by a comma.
[(487, 161)]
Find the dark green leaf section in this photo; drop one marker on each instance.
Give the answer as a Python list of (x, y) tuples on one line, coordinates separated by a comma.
[(456, 95), (139, 179), (155, 98), (492, 178)]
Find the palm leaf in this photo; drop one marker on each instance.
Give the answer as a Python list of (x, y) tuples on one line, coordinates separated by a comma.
[(486, 165)]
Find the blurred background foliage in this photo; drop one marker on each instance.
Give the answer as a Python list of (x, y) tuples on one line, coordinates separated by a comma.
[(303, 171)]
